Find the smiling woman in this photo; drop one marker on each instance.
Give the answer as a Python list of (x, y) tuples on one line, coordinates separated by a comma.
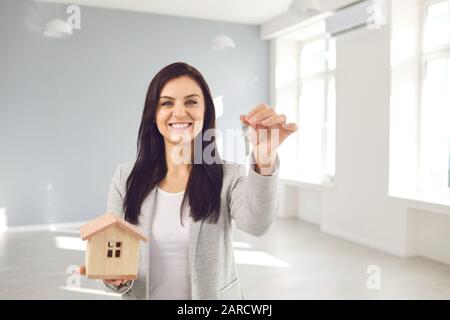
[(186, 207)]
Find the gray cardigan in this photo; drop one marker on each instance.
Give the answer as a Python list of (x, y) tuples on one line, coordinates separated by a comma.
[(251, 200)]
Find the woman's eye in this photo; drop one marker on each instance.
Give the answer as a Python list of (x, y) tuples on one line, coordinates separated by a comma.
[(168, 103)]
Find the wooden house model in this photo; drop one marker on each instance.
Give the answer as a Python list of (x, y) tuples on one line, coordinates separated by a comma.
[(112, 250)]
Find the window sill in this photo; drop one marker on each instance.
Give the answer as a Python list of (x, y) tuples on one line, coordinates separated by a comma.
[(422, 201), (314, 184)]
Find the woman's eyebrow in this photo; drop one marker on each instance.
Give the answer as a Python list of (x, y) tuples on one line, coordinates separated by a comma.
[(191, 95)]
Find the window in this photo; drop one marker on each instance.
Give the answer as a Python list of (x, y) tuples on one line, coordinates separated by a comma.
[(436, 24), (114, 248), (316, 110), (304, 90), (434, 144)]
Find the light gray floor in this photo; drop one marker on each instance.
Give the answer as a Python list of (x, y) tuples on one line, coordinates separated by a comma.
[(294, 260)]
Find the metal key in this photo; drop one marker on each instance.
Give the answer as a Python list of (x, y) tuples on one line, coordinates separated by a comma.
[(245, 130)]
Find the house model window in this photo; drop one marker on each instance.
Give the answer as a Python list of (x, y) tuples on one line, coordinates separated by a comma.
[(114, 248)]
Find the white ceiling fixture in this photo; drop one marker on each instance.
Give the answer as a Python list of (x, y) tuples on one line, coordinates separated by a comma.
[(221, 42), (58, 28), (305, 8)]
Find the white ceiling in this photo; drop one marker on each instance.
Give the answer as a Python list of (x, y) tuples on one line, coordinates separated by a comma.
[(239, 11)]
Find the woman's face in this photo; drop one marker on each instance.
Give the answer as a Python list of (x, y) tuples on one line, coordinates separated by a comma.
[(180, 111)]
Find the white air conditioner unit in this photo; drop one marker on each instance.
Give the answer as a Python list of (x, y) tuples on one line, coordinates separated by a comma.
[(369, 13)]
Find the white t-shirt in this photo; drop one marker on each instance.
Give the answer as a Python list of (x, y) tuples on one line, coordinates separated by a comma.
[(169, 259)]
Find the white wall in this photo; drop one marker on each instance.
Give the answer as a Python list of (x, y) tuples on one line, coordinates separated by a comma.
[(430, 236)]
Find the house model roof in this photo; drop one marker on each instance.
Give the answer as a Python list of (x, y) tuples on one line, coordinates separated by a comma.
[(106, 220)]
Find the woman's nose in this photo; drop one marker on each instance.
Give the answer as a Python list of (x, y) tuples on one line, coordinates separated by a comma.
[(179, 110)]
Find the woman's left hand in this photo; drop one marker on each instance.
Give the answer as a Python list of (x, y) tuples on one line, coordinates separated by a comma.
[(269, 131)]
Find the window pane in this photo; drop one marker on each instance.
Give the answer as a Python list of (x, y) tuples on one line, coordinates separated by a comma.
[(284, 75), (109, 254), (437, 25), (311, 118), (312, 58), (435, 126), (118, 244), (117, 254)]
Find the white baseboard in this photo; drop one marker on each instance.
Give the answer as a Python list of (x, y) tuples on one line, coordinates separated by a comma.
[(375, 244), (43, 227)]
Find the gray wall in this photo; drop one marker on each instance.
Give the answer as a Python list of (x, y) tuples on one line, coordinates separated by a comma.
[(70, 108)]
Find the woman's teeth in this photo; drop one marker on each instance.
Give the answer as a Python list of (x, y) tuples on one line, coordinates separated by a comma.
[(180, 125)]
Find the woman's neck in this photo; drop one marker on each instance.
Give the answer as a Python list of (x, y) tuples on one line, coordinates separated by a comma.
[(178, 158)]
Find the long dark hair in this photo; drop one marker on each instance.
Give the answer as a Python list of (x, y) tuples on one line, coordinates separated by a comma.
[(204, 184)]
